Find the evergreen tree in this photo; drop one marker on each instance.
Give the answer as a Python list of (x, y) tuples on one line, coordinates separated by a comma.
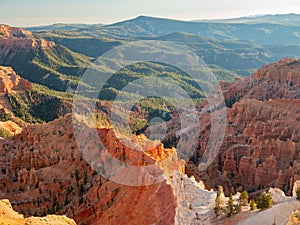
[(218, 203), (230, 206), (238, 208), (264, 201), (244, 198), (252, 204)]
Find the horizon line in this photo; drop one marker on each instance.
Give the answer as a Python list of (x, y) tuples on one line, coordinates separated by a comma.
[(135, 17)]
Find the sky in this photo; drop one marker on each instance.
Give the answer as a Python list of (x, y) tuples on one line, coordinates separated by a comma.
[(42, 12)]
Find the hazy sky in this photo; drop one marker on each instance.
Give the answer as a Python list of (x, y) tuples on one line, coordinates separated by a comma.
[(37, 12)]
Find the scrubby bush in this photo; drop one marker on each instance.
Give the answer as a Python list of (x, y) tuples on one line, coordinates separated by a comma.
[(264, 201)]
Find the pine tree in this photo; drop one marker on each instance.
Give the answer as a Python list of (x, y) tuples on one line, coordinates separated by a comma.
[(252, 204), (237, 208), (218, 203), (269, 200), (244, 198), (264, 201), (230, 206)]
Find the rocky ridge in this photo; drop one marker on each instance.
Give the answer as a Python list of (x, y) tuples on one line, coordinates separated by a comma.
[(9, 217), (17, 37), (261, 145), (44, 160), (272, 81), (10, 81)]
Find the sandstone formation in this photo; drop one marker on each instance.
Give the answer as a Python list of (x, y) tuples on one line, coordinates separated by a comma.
[(294, 218), (261, 146), (21, 103), (194, 203), (10, 81), (296, 187), (272, 81), (17, 37), (40, 61), (260, 149), (9, 217), (11, 127), (43, 172)]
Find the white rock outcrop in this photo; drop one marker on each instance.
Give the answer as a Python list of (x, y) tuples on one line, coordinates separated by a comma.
[(194, 203), (296, 186), (278, 195)]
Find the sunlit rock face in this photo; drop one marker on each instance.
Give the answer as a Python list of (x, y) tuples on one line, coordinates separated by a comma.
[(43, 172), (9, 216), (10, 81), (17, 37), (194, 203), (261, 145), (294, 218), (272, 81)]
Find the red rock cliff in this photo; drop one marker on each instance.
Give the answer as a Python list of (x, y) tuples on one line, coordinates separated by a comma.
[(261, 147), (272, 81), (43, 171), (10, 81), (13, 36)]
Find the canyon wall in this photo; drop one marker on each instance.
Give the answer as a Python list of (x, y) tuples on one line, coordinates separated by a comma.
[(43, 172), (261, 145)]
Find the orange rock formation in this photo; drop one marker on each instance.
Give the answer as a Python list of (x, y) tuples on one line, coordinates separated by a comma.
[(43, 172), (10, 81), (21, 38), (9, 217), (261, 146)]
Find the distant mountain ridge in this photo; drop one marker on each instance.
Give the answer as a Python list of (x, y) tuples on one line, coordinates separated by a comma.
[(230, 50), (62, 26), (240, 46), (257, 32), (282, 19)]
